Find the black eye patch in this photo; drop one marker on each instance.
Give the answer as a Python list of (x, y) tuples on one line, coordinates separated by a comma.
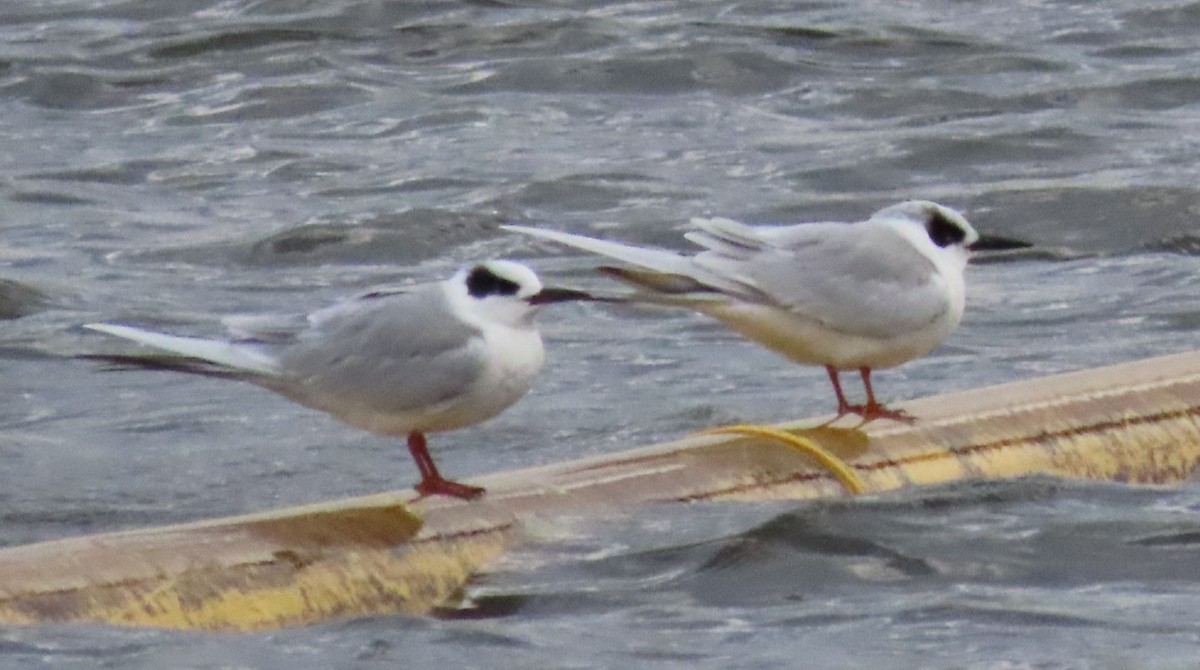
[(482, 282), (943, 231)]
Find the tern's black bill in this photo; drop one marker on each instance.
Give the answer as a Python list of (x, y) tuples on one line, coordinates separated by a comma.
[(998, 243), (549, 295)]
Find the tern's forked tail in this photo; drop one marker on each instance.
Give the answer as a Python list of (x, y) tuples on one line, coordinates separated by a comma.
[(187, 354)]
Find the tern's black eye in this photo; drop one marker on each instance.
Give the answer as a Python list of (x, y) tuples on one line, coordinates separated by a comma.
[(943, 231), (482, 282)]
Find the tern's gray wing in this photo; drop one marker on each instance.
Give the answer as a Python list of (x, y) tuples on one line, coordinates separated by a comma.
[(860, 278), (389, 351)]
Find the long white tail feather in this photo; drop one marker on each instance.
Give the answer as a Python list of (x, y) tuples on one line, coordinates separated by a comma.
[(240, 357), (659, 260)]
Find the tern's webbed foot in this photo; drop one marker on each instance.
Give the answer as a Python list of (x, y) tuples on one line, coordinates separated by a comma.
[(872, 411), (446, 487)]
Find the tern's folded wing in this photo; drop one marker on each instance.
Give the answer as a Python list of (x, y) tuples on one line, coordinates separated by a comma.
[(392, 353), (862, 278)]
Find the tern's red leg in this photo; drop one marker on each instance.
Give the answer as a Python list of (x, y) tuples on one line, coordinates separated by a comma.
[(873, 410), (432, 482), (844, 407)]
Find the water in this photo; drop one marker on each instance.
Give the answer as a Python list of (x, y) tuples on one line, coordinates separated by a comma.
[(167, 163)]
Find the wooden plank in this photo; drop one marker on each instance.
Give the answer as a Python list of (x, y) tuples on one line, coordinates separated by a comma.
[(386, 553)]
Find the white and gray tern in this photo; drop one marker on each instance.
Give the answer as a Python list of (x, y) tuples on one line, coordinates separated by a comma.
[(846, 296), (406, 361)]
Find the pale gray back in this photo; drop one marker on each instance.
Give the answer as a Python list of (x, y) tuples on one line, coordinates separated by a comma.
[(387, 351)]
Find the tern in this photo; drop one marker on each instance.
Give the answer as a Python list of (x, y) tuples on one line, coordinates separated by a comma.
[(847, 296), (396, 362)]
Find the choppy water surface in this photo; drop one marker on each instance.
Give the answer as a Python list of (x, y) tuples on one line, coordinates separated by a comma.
[(171, 162)]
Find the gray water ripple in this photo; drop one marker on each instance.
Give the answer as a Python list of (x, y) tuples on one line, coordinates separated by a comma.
[(972, 538), (652, 74), (407, 236), (1188, 245), (234, 41), (18, 299), (265, 102), (127, 173), (464, 41)]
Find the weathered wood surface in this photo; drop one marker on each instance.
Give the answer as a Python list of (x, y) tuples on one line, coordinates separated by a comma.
[(1136, 422)]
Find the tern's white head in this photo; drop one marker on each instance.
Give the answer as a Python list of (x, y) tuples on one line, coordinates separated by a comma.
[(939, 233), (504, 292), (495, 292)]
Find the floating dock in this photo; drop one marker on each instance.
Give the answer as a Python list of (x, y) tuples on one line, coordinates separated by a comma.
[(390, 553)]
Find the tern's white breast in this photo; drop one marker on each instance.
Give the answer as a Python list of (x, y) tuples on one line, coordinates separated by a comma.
[(514, 357)]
